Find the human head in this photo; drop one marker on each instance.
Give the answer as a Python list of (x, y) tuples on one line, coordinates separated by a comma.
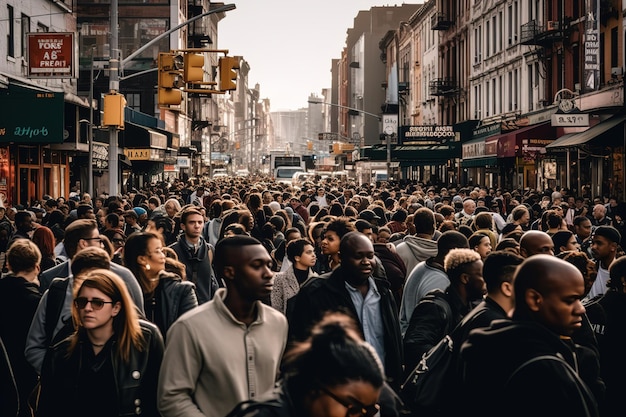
[(604, 243), (450, 240), (617, 271), (172, 207), (85, 211), (508, 244), (483, 220), (23, 221), (564, 240), (469, 206), (535, 242), (144, 256), (548, 290), (295, 250), (481, 243), (191, 223), (88, 259), (520, 215), (23, 257), (334, 362), (582, 227), (45, 241), (586, 266), (424, 221), (162, 225), (333, 233), (599, 211), (81, 234), (464, 269), (498, 269), (245, 266), (122, 311), (357, 257)]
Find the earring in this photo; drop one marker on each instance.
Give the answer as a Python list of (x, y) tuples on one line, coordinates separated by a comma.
[(147, 267)]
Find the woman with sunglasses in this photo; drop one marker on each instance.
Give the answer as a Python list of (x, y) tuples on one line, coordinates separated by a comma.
[(332, 374), (166, 295), (110, 365)]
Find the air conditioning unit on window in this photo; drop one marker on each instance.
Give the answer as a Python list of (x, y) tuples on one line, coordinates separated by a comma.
[(553, 25)]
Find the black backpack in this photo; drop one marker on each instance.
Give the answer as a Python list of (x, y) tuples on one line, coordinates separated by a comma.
[(54, 307)]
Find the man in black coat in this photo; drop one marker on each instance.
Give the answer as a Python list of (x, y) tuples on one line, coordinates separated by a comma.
[(530, 365), (352, 287)]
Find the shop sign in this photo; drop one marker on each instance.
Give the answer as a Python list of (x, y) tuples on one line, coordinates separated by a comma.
[(183, 162), (50, 55), (100, 156), (474, 150), (570, 120), (31, 116), (591, 69), (427, 134), (137, 154), (533, 148)]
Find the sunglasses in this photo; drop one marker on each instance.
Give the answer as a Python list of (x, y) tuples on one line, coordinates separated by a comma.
[(354, 407), (96, 303)]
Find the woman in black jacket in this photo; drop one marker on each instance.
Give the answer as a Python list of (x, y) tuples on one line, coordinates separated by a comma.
[(166, 295), (110, 365)]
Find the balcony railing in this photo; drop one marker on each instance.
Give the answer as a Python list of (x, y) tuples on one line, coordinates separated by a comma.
[(443, 87), (440, 21), (536, 33)]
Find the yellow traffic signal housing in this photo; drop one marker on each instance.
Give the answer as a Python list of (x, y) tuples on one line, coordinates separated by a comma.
[(113, 110), (228, 75), (168, 92), (193, 71)]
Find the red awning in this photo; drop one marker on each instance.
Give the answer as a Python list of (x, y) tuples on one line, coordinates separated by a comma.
[(531, 138)]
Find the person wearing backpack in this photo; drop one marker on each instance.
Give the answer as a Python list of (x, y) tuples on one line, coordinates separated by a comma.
[(530, 365), (439, 312)]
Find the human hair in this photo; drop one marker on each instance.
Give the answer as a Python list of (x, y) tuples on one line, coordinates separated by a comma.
[(617, 271), (424, 221), (499, 267), (77, 230), (154, 200), (44, 239), (125, 323), (236, 228), (579, 219), (189, 211), (23, 256), (21, 217), (362, 224), (475, 238), (254, 202), (508, 243), (483, 220), (579, 260), (561, 238), (90, 258), (173, 203), (449, 240), (226, 251), (333, 355), (136, 246), (278, 222), (457, 260), (446, 210), (107, 245), (291, 231), (167, 225), (518, 212), (340, 225), (295, 248), (175, 267), (113, 219), (336, 209), (316, 229), (553, 219), (82, 209)]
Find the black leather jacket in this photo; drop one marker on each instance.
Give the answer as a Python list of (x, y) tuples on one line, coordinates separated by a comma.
[(172, 298), (136, 380)]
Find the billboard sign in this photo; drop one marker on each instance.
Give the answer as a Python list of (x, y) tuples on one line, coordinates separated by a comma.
[(51, 55)]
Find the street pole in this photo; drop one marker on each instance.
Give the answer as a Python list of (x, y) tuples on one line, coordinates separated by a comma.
[(114, 85), (90, 134)]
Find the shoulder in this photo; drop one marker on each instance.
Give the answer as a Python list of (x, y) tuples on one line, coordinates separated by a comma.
[(271, 315)]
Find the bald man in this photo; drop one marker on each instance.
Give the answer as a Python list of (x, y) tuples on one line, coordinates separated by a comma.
[(529, 365), (535, 242)]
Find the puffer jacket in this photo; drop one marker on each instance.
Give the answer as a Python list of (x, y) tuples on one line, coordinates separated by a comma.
[(136, 380)]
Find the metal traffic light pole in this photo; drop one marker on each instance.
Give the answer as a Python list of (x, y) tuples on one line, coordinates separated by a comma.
[(114, 80)]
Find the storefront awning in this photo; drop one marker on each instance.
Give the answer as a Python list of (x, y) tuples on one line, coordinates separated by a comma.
[(517, 142), (479, 162), (137, 136), (574, 139), (413, 155)]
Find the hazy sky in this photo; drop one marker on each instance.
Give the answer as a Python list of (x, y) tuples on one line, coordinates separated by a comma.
[(289, 44)]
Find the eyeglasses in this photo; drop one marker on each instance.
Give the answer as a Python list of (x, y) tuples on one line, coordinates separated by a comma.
[(96, 303), (99, 239), (354, 407)]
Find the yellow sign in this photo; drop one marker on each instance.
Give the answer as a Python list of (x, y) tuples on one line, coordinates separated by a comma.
[(137, 154)]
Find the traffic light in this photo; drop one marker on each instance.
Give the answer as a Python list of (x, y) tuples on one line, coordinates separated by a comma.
[(169, 72), (228, 75), (193, 71), (113, 110)]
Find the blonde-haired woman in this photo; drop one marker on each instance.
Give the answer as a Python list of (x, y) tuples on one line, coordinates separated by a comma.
[(110, 365)]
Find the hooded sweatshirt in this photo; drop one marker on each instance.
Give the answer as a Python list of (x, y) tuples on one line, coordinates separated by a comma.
[(414, 250)]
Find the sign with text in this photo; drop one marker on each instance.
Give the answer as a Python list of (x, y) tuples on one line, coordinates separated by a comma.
[(30, 116), (570, 120), (591, 68), (426, 135), (50, 55)]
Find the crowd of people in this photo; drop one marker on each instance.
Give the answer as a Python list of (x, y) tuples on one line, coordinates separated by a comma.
[(245, 297)]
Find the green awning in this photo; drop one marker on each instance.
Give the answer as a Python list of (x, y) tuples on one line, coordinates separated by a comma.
[(574, 139), (413, 155), (479, 162)]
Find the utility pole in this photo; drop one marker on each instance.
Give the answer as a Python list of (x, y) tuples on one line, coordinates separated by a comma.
[(114, 86), (114, 78)]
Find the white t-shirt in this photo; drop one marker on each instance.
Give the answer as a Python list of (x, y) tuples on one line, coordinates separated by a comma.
[(599, 285)]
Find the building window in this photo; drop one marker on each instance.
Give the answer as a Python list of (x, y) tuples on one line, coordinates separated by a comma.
[(11, 32), (25, 30), (42, 28), (487, 40), (133, 100), (487, 99)]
